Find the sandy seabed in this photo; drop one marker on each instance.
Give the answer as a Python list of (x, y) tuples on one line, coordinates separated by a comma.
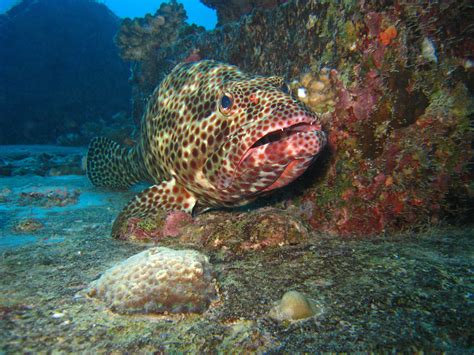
[(405, 293)]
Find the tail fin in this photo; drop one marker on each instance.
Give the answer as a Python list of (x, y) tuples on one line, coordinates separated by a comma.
[(110, 165)]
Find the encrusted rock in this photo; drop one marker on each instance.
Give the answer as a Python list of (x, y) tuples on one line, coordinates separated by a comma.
[(230, 232), (157, 280), (239, 233), (399, 96), (232, 10)]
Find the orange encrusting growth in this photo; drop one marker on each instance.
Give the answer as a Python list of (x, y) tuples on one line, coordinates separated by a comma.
[(388, 35)]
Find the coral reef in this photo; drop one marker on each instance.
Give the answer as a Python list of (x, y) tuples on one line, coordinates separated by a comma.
[(315, 90), (140, 37), (59, 66), (398, 87), (233, 10), (158, 280)]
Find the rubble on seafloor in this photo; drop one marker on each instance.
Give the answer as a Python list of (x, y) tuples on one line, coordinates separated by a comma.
[(28, 225), (395, 82), (41, 160)]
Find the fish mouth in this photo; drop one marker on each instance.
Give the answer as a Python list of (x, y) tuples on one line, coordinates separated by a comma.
[(283, 133), (280, 135)]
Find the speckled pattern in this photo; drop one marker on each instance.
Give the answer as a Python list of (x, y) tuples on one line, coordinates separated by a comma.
[(211, 136)]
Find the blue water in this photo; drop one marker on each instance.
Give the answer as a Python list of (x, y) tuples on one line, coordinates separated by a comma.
[(197, 12)]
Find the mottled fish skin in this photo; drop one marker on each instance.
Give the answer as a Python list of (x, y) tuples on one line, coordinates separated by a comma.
[(212, 136)]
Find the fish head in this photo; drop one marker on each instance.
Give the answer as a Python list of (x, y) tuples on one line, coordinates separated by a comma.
[(266, 138)]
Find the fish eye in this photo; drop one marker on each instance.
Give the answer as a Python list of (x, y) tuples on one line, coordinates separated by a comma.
[(226, 103), (284, 87)]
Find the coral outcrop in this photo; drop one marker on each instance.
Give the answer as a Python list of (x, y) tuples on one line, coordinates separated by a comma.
[(140, 40), (315, 90), (158, 280), (398, 87), (140, 37)]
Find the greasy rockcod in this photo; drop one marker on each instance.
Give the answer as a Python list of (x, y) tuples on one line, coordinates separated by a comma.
[(211, 136)]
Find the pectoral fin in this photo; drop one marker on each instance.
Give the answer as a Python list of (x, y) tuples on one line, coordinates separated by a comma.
[(152, 202)]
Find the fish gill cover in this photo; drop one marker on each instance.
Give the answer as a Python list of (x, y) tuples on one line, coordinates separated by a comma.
[(59, 70)]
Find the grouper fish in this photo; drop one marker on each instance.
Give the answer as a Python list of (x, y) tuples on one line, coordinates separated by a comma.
[(211, 136)]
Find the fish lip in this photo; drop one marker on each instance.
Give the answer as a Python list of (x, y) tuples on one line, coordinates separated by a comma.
[(307, 122)]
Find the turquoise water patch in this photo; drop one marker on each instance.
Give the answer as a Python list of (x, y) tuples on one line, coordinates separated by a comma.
[(15, 241)]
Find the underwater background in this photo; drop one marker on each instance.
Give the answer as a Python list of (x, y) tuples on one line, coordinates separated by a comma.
[(370, 249)]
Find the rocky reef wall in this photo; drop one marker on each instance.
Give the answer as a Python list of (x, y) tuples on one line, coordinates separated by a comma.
[(395, 82), (59, 70)]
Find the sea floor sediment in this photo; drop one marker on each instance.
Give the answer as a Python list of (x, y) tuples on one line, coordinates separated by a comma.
[(407, 292)]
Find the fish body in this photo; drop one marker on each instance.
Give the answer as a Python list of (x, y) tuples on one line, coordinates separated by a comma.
[(211, 136)]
